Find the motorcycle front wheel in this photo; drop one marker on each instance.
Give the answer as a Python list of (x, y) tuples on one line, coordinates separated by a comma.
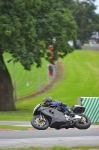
[(84, 123), (40, 123)]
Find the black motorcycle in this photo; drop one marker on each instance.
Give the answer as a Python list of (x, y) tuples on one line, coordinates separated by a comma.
[(54, 117)]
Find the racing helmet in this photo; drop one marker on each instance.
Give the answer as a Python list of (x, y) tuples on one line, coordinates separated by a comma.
[(47, 100)]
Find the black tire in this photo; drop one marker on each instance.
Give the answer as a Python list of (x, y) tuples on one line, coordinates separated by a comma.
[(84, 124), (40, 125), (57, 128)]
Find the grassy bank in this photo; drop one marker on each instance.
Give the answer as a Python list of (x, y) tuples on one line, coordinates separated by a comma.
[(27, 82), (57, 148), (81, 79)]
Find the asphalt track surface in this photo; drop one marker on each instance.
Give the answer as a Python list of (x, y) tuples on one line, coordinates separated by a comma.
[(48, 138)]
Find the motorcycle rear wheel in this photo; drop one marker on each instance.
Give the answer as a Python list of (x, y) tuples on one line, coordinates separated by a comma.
[(40, 124), (84, 123)]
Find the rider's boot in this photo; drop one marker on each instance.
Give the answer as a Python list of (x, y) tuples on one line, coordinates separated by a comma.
[(70, 113)]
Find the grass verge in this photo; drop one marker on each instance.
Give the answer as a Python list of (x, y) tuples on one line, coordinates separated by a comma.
[(12, 127), (81, 79), (57, 148)]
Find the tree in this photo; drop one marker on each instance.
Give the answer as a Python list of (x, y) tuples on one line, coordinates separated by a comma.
[(27, 28), (95, 26), (84, 15), (88, 21)]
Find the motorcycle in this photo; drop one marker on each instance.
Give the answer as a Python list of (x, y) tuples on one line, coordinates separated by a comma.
[(55, 117)]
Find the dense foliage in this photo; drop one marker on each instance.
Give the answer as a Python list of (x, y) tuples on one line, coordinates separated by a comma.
[(28, 27), (85, 16)]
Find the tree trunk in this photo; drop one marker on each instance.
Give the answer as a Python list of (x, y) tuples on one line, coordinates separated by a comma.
[(6, 88)]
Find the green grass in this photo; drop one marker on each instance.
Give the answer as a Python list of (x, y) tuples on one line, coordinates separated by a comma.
[(27, 82), (16, 115), (57, 148), (12, 127), (81, 79)]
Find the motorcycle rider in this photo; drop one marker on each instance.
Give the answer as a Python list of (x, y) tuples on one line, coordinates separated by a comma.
[(49, 102)]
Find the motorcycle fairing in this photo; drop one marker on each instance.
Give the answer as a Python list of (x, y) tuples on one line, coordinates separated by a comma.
[(57, 118)]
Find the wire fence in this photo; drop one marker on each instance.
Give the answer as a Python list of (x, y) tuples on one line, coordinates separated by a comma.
[(26, 83), (92, 47)]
